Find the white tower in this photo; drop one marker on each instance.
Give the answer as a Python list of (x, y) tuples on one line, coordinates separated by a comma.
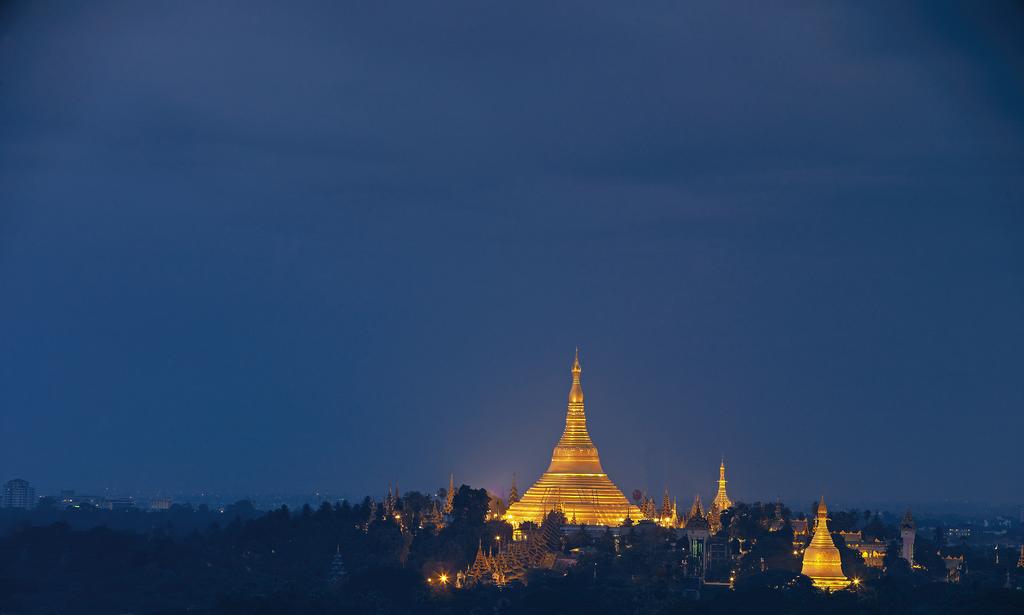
[(908, 531)]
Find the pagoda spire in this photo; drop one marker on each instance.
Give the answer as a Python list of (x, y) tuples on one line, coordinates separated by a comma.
[(450, 496), (336, 574), (697, 510), (575, 435), (721, 501), (389, 502), (576, 392)]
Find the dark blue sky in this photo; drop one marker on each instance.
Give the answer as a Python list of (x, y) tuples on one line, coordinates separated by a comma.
[(246, 247)]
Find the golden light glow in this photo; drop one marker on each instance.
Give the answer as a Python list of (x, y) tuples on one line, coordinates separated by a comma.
[(821, 558), (443, 578), (575, 483), (721, 501)]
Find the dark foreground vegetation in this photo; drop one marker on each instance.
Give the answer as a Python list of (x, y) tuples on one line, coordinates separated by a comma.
[(347, 558)]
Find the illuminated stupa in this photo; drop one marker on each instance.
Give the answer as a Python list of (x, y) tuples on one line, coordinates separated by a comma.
[(575, 483), (722, 501), (821, 558)]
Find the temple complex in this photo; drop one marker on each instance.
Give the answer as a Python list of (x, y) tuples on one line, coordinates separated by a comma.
[(512, 562), (821, 558), (574, 482)]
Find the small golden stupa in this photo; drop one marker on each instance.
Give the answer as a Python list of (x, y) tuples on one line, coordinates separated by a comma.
[(722, 501), (575, 483), (821, 558)]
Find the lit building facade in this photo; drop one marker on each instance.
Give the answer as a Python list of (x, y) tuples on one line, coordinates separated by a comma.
[(575, 482), (801, 535), (872, 551)]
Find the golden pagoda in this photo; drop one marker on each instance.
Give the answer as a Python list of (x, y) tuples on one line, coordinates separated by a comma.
[(821, 558), (574, 483), (721, 501)]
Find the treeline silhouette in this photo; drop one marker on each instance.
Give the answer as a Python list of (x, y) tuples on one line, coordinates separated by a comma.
[(351, 558)]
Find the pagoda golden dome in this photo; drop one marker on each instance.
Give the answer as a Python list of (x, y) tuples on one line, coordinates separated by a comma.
[(575, 483), (821, 558)]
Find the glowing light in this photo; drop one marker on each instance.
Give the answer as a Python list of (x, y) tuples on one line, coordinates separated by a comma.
[(574, 482), (821, 558), (443, 578)]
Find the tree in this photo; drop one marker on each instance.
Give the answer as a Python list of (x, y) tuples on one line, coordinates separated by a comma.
[(877, 529), (852, 561), (844, 520), (895, 566), (470, 506), (415, 504)]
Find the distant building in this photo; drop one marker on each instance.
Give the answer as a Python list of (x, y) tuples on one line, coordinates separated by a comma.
[(160, 503), (718, 553), (778, 521), (873, 551), (957, 534), (954, 567), (118, 503), (697, 532), (908, 531), (801, 535), (18, 493), (70, 499)]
